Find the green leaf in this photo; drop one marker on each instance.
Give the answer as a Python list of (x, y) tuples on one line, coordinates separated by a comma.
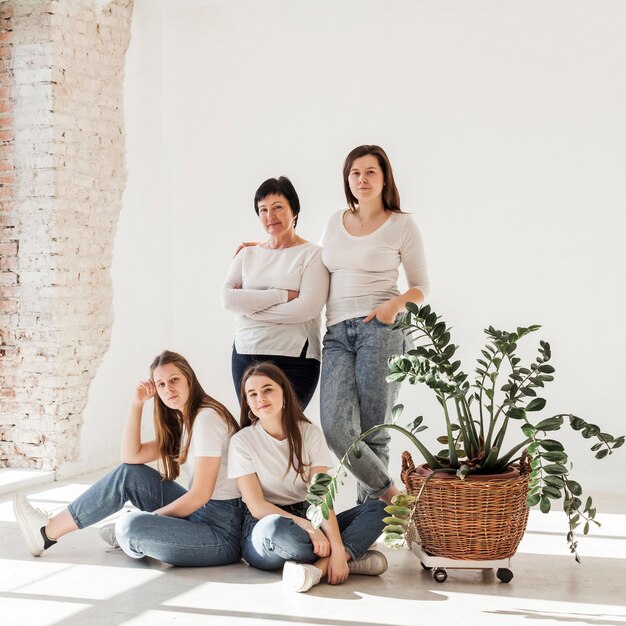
[(321, 478), (324, 510), (532, 500), (556, 457), (551, 423), (394, 529), (536, 404), (574, 487), (529, 431), (551, 492), (533, 447), (586, 528), (313, 499), (393, 521), (551, 444), (546, 369), (555, 469), (315, 516), (601, 454), (544, 504), (396, 411), (516, 413), (554, 481)]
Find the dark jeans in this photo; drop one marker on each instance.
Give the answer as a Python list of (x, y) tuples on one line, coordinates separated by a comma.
[(302, 373)]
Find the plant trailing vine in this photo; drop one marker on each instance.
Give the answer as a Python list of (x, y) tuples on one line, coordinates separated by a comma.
[(477, 417)]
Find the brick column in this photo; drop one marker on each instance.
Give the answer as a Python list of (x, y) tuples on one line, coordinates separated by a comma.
[(62, 176)]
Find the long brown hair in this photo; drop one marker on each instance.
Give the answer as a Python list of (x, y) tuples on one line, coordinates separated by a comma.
[(169, 423), (391, 195), (292, 414)]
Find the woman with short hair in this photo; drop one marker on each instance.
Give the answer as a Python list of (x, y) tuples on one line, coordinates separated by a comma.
[(277, 290)]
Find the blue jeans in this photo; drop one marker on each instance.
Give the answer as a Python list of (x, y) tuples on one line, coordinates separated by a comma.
[(209, 536), (270, 542), (355, 396)]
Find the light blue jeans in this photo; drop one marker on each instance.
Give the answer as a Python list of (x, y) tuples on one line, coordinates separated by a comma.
[(355, 396), (270, 542), (209, 536)]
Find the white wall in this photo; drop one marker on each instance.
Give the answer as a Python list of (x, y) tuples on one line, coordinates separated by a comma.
[(505, 124)]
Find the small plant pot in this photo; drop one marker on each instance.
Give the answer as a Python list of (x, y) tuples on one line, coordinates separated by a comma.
[(480, 518)]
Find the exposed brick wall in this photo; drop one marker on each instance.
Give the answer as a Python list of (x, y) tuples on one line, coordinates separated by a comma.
[(62, 176)]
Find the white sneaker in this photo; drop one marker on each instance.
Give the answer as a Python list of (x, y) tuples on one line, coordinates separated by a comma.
[(372, 563), (31, 521), (107, 534), (300, 577)]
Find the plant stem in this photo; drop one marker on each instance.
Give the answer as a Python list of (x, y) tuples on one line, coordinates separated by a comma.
[(454, 459)]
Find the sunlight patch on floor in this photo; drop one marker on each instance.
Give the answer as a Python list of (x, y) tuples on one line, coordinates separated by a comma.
[(546, 535), (38, 611)]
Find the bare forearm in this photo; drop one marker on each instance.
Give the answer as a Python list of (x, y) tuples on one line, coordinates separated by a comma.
[(131, 435), (330, 527), (411, 295), (263, 508), (183, 506)]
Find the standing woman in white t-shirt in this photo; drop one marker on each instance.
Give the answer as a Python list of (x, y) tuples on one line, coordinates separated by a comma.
[(364, 245), (200, 526), (273, 457), (278, 289)]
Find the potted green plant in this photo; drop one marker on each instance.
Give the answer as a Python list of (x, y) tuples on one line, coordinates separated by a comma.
[(503, 398)]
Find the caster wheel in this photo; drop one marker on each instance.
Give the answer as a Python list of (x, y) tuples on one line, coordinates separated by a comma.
[(426, 567), (440, 575), (504, 575)]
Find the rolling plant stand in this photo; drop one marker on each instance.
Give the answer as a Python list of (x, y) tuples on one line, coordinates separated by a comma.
[(440, 565)]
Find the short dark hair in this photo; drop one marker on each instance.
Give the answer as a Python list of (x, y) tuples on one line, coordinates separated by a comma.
[(391, 196), (280, 186)]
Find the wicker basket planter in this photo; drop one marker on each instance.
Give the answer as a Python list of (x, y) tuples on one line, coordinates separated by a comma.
[(479, 518)]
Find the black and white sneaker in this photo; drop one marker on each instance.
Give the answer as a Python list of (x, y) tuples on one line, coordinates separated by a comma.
[(32, 523)]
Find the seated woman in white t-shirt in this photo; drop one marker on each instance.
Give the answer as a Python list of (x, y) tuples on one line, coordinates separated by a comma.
[(278, 289), (273, 457), (200, 526)]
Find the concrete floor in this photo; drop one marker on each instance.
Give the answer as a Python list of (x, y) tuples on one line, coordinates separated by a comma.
[(80, 582)]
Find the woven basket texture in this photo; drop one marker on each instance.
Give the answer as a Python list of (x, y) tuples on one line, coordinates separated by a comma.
[(473, 520)]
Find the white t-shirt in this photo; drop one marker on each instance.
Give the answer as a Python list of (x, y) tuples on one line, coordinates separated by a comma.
[(256, 290), (253, 451), (364, 270), (210, 437)]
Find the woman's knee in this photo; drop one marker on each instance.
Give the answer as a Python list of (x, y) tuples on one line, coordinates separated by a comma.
[(130, 525), (274, 540)]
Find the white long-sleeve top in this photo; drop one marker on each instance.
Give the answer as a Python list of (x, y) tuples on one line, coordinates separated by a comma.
[(256, 290), (364, 270)]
